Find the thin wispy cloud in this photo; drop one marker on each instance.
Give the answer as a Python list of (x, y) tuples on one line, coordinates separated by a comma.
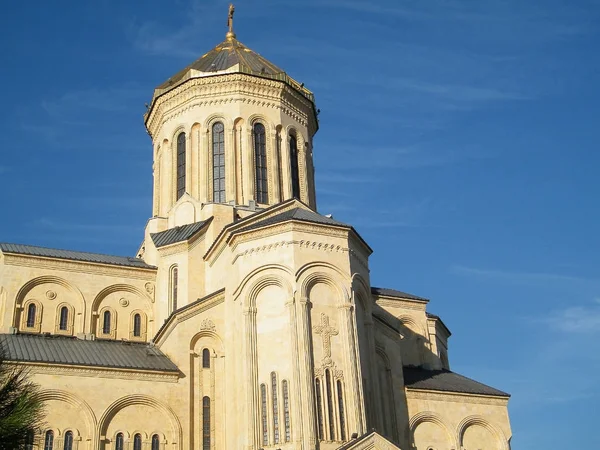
[(581, 319), (517, 277)]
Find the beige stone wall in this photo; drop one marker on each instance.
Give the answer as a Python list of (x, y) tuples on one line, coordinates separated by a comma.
[(446, 421), (87, 290)]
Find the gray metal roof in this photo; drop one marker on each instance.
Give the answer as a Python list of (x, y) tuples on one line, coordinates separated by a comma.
[(230, 53), (177, 234), (300, 214), (72, 351), (32, 250), (395, 293), (447, 381)]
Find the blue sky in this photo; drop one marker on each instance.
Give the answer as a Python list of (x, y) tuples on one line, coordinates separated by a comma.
[(459, 137)]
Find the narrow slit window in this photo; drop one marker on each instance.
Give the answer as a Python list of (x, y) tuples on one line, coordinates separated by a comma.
[(340, 393), (295, 171), (49, 440), (119, 442), (180, 165), (319, 407), (68, 441), (137, 442), (263, 414), (275, 408), (155, 442), (64, 318), (106, 322), (286, 409), (31, 310), (206, 423), (137, 325), (218, 155), (174, 283), (206, 358), (329, 405), (260, 161)]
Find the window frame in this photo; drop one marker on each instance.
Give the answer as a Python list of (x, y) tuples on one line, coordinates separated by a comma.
[(294, 166), (261, 163), (217, 148), (180, 165)]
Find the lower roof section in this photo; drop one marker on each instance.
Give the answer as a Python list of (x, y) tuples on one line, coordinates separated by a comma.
[(444, 380), (66, 350), (32, 250)]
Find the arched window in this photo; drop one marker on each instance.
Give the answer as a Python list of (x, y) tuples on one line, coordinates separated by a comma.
[(106, 322), (119, 442), (64, 318), (155, 442), (286, 410), (275, 408), (319, 407), (31, 309), (68, 441), (206, 423), (263, 414), (340, 394), (180, 165), (329, 404), (29, 439), (294, 170), (137, 325), (174, 282), (260, 161), (206, 358), (49, 440), (137, 441), (218, 155)]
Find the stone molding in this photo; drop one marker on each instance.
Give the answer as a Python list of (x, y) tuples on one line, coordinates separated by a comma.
[(454, 397), (227, 88), (80, 266), (97, 372), (415, 305)]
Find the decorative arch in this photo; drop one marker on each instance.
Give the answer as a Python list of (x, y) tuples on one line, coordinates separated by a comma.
[(257, 117), (413, 325), (130, 400), (87, 413), (286, 273), (121, 288), (217, 117), (310, 274), (210, 334), (361, 290), (46, 279), (481, 421), (181, 128), (430, 416)]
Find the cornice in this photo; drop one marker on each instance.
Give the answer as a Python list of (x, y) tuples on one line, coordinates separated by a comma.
[(186, 313), (228, 88), (148, 274), (454, 397), (98, 372), (416, 305)]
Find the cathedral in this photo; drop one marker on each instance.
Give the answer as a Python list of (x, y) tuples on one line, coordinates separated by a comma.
[(246, 320)]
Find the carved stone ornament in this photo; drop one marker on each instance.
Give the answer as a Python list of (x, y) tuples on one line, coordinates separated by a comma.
[(150, 289), (208, 324), (50, 295), (326, 331), (124, 302)]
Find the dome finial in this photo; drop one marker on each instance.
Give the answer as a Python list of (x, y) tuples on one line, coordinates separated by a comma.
[(230, 34)]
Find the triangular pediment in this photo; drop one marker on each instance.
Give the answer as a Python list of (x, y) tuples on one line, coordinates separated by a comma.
[(370, 441)]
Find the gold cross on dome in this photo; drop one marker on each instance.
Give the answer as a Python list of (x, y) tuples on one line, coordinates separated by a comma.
[(326, 331), (230, 17)]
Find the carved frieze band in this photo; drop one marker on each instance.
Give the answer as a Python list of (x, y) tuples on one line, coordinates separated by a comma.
[(454, 398), (81, 267)]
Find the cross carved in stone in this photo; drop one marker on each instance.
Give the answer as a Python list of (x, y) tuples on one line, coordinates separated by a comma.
[(326, 331)]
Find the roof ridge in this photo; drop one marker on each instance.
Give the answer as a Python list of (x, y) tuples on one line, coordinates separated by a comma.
[(67, 250)]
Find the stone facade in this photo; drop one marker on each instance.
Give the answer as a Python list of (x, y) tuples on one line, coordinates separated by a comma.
[(267, 310)]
